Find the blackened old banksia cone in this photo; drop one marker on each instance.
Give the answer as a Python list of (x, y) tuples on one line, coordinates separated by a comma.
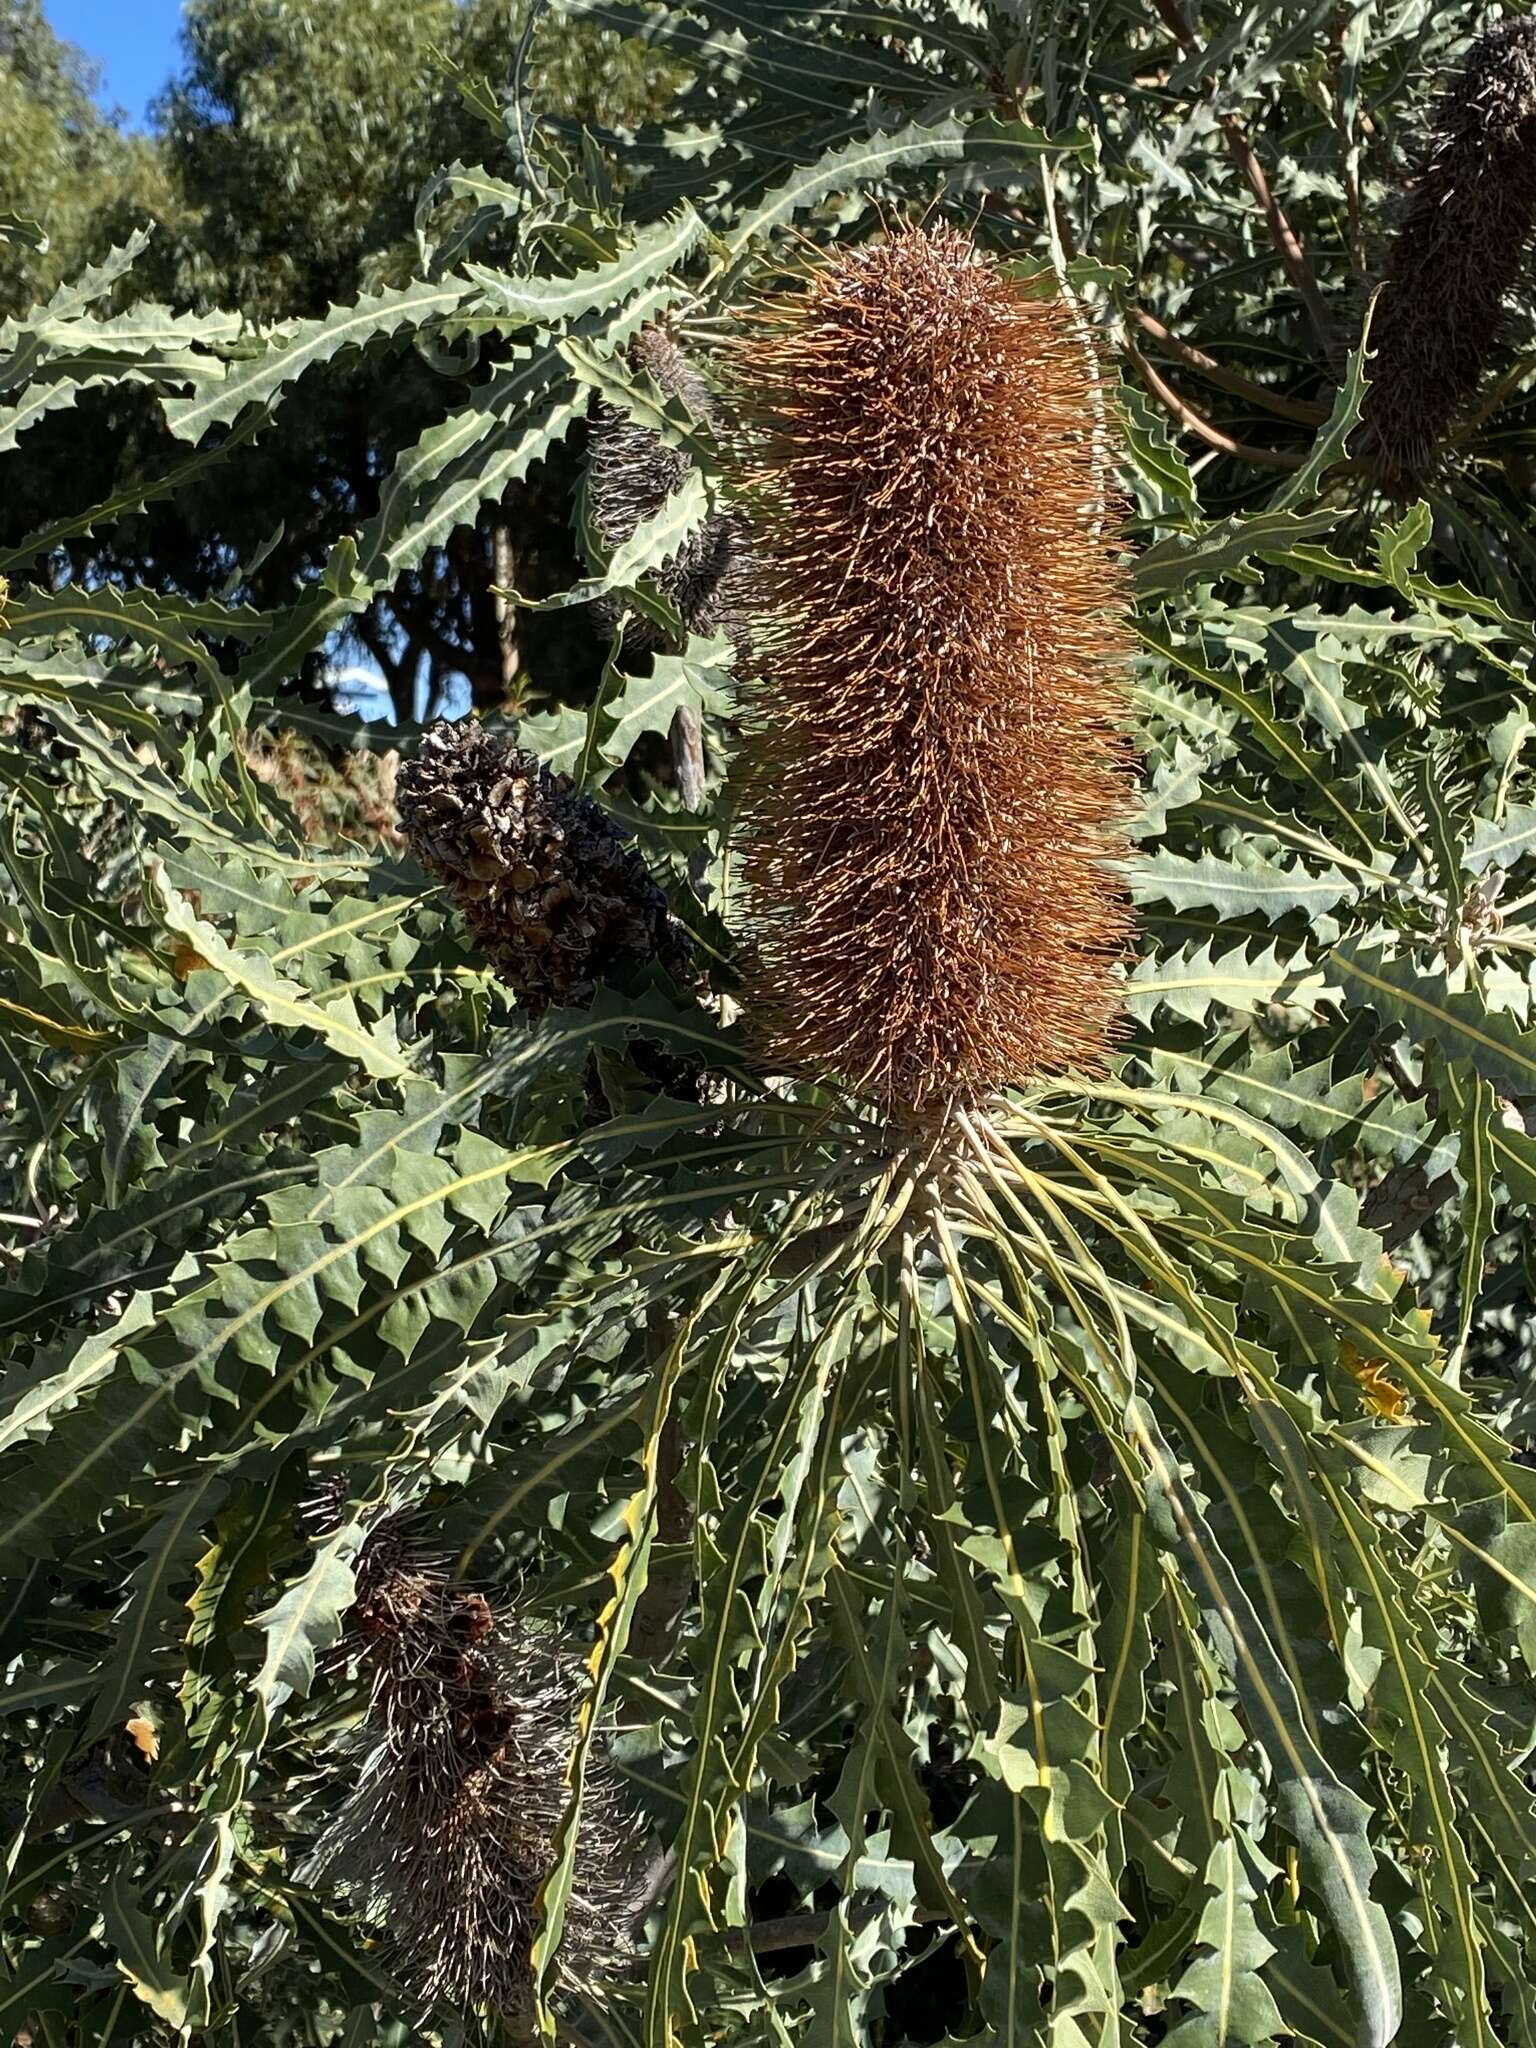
[(458, 1789), (1456, 254), (556, 898), (934, 764)]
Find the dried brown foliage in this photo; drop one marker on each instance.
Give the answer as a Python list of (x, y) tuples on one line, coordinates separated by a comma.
[(556, 899), (338, 796), (460, 1786), (934, 761), (1457, 251)]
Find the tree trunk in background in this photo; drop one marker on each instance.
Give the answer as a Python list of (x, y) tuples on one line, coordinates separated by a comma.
[(503, 575)]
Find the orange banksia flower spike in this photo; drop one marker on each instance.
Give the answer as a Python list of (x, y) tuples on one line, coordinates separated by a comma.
[(934, 762), (1457, 251)]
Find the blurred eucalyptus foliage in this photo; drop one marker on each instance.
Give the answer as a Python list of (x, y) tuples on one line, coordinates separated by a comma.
[(280, 178)]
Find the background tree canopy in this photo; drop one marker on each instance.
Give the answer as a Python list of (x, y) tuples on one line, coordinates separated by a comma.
[(62, 157), (283, 179), (530, 1511)]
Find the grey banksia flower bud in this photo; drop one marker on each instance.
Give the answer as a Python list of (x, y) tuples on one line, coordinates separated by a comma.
[(1458, 250), (632, 472)]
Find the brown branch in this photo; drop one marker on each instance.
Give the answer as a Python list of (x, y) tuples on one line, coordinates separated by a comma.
[(1298, 267), (504, 579), (466, 549), (1302, 411), (687, 744), (1268, 458)]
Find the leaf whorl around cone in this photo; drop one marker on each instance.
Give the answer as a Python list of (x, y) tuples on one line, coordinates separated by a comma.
[(1457, 252), (556, 899), (460, 1786), (631, 474), (934, 765)]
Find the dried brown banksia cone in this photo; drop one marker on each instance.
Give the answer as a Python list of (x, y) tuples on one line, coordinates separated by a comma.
[(556, 899), (1457, 252), (449, 1831), (631, 474), (934, 762)]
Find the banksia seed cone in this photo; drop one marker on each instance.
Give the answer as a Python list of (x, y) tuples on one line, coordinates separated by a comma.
[(450, 1829), (555, 898), (631, 474), (933, 765), (1456, 254)]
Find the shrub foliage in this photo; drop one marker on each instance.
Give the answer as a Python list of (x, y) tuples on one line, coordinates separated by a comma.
[(1041, 1573)]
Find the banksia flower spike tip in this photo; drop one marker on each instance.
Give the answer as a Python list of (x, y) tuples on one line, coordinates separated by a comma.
[(934, 762), (1457, 252), (555, 898)]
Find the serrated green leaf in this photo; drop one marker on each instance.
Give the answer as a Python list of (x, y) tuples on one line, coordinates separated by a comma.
[(542, 301), (1332, 443), (1225, 549), (1237, 888), (260, 379), (286, 1002), (1459, 1024), (865, 161)]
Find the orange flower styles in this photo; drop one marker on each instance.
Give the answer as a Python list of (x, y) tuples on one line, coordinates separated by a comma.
[(934, 763)]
